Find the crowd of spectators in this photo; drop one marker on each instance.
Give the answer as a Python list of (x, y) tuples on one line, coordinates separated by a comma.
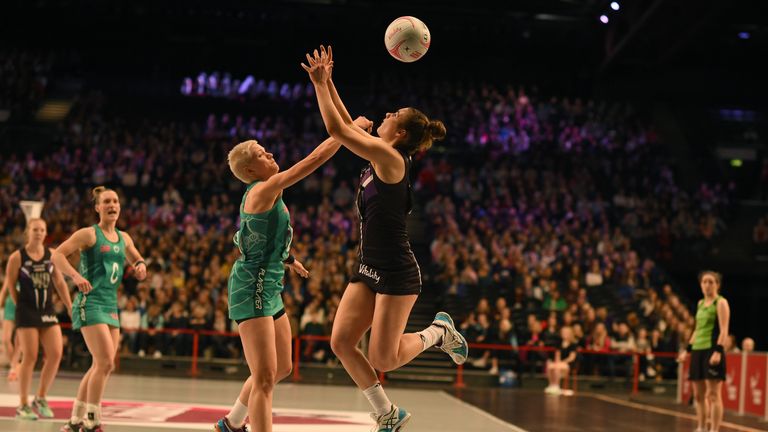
[(222, 85), (556, 209)]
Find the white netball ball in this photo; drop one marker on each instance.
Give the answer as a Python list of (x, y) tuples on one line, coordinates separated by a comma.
[(407, 39)]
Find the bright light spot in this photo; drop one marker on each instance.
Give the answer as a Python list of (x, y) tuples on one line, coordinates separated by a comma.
[(615, 6), (744, 35), (604, 19), (736, 163)]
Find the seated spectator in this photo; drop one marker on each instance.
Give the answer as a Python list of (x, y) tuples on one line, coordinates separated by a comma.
[(561, 361), (553, 301), (624, 342), (130, 322), (730, 345), (600, 342), (150, 340), (748, 345)]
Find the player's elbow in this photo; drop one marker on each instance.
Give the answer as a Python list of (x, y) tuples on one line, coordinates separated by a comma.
[(335, 130)]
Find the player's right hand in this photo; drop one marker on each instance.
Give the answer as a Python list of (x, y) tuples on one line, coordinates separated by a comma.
[(82, 284)]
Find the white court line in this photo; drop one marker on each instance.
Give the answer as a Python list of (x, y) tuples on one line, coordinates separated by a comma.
[(485, 414), (665, 411)]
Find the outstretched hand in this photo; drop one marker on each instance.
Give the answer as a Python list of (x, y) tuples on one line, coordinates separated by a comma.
[(298, 267), (364, 124), (320, 65)]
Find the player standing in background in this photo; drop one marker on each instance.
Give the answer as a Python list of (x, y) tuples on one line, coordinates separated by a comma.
[(707, 371), (103, 250), (31, 271)]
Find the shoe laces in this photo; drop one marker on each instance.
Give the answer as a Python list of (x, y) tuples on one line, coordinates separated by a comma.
[(388, 420), (450, 341)]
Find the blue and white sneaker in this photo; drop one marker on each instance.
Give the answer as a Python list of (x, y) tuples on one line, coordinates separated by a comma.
[(393, 421), (223, 426), (453, 342)]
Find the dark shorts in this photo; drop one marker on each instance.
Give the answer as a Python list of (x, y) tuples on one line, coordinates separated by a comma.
[(275, 317), (702, 370), (30, 316), (403, 281)]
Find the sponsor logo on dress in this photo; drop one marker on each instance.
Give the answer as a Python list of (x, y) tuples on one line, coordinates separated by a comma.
[(27, 263), (371, 273), (49, 319), (104, 249), (259, 289), (116, 249), (114, 316)]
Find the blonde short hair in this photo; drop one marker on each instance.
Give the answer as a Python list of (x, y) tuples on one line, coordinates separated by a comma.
[(239, 158)]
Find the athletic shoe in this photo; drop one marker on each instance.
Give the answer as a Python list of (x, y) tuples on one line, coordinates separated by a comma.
[(393, 421), (41, 406), (223, 426), (553, 390), (71, 427), (25, 413), (95, 428), (453, 342)]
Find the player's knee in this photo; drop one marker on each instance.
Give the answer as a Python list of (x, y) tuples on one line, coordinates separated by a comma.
[(712, 395), (699, 396), (103, 365), (284, 370), (28, 360), (382, 361), (53, 355), (264, 382), (341, 345)]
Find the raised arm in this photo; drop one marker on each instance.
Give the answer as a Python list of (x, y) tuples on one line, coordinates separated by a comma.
[(82, 238), (12, 275), (284, 179), (367, 147)]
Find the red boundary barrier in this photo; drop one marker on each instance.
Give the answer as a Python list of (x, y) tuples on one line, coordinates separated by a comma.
[(752, 390), (458, 383)]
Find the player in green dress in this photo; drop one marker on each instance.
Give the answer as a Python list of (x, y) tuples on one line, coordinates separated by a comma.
[(103, 251), (11, 345), (256, 279)]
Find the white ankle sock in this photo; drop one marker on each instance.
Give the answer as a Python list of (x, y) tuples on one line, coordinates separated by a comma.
[(431, 336), (378, 399), (93, 416), (237, 414), (78, 412)]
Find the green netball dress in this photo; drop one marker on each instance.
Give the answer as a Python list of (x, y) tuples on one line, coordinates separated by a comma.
[(102, 265), (9, 309), (256, 279)]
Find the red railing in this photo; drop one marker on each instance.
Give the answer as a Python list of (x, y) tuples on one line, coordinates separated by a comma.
[(751, 395), (458, 383)]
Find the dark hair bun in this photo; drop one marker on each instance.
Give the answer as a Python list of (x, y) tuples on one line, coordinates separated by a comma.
[(436, 129)]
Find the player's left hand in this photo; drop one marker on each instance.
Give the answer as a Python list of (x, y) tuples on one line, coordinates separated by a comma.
[(140, 271), (298, 267), (714, 360), (319, 67), (364, 124)]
